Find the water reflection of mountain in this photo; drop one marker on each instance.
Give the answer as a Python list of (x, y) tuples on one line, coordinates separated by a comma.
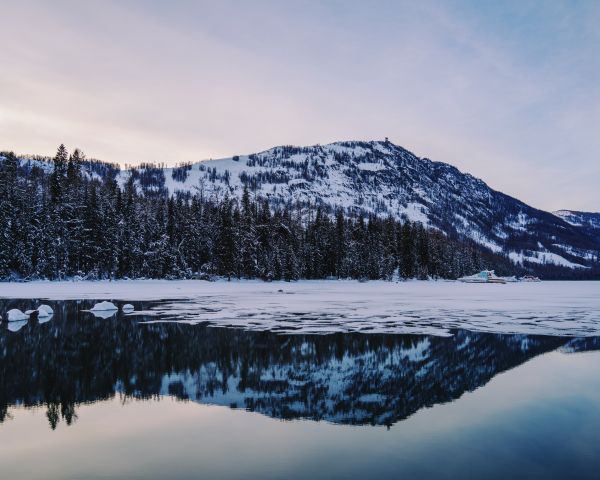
[(342, 378)]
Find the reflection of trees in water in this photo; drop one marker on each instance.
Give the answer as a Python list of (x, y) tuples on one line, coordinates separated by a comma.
[(66, 410), (345, 378)]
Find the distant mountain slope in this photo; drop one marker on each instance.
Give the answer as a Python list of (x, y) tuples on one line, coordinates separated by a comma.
[(384, 179), (586, 221)]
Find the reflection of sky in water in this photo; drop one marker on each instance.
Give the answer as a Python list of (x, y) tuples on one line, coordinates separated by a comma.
[(539, 419)]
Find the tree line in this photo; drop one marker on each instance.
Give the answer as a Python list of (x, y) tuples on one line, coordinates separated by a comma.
[(67, 221)]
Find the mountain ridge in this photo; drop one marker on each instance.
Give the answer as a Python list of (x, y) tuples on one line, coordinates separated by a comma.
[(378, 177), (383, 179)]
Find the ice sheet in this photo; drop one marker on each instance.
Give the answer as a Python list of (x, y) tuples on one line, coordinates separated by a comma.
[(434, 307)]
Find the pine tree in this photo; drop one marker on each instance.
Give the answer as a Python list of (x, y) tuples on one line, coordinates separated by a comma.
[(226, 242), (9, 214), (58, 174)]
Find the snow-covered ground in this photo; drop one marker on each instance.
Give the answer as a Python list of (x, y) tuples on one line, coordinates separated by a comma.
[(550, 308)]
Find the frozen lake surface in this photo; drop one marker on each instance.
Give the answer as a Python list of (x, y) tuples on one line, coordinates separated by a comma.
[(436, 307)]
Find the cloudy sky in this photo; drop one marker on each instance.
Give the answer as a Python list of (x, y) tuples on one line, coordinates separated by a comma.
[(508, 91)]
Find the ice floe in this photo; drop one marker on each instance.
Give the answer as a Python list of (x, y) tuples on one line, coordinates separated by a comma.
[(15, 315), (103, 313), (45, 310), (104, 309), (17, 325), (103, 306)]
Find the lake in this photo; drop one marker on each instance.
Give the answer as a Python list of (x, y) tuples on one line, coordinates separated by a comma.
[(133, 396)]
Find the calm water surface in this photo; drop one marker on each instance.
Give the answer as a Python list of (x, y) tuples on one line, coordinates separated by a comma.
[(89, 397)]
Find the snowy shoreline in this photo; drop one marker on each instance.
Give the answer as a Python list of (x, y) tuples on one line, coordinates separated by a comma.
[(149, 289), (327, 306)]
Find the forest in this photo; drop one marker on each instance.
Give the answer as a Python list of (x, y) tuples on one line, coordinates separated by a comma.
[(73, 220)]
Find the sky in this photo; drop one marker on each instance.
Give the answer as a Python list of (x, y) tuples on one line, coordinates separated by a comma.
[(508, 91)]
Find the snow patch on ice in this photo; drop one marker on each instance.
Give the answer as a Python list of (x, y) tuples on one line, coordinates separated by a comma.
[(45, 310), (14, 315), (103, 313), (103, 306), (16, 325)]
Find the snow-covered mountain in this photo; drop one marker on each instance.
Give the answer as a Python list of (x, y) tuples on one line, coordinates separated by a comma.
[(384, 179), (381, 178)]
